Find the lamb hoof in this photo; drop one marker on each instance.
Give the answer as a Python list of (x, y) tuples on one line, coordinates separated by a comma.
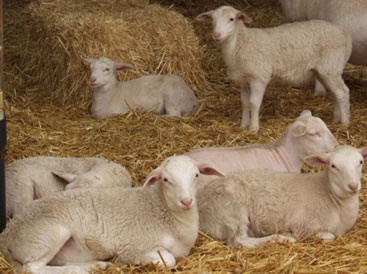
[(254, 128), (326, 236), (244, 124), (285, 239), (345, 122)]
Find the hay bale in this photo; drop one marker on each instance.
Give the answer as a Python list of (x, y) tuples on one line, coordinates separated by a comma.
[(60, 33)]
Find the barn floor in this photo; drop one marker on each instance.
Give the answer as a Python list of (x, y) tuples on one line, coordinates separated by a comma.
[(140, 141)]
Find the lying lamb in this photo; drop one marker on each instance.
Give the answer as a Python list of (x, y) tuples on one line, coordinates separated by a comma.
[(305, 136), (294, 53), (248, 208), (35, 177), (159, 94), (72, 229), (351, 15)]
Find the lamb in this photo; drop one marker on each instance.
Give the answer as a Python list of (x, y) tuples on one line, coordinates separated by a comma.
[(295, 54), (36, 177), (159, 94), (306, 135), (248, 208), (349, 15), (75, 230)]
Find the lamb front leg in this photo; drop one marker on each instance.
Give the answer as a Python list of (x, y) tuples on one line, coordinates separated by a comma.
[(256, 96), (245, 103), (242, 239)]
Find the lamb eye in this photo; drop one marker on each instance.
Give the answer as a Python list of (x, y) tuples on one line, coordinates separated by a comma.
[(165, 179), (333, 166), (106, 69), (197, 175), (361, 162), (231, 19)]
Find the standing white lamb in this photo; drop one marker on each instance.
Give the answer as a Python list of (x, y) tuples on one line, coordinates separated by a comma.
[(159, 94), (36, 177), (248, 208), (306, 135), (294, 53), (350, 15), (71, 230)]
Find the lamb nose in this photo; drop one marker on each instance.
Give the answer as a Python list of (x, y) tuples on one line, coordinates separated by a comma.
[(216, 35), (186, 203), (353, 187)]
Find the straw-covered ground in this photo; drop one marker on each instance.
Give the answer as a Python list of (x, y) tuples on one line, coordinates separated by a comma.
[(48, 102)]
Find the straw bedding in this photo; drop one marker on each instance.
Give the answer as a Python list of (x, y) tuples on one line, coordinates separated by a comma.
[(47, 101)]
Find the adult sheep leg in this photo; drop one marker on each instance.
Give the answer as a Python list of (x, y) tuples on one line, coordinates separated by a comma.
[(340, 91), (256, 96)]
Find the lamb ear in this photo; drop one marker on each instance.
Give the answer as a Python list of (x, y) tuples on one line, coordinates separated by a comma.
[(363, 151), (243, 17), (122, 66), (306, 113), (65, 177), (317, 160), (90, 60), (299, 129), (153, 177), (205, 16), (208, 170)]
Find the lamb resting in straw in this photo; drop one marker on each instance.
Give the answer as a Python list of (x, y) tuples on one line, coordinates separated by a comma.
[(306, 135), (159, 94), (32, 178), (248, 208), (75, 230)]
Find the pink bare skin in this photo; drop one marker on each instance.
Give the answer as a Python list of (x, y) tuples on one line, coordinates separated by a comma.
[(307, 135)]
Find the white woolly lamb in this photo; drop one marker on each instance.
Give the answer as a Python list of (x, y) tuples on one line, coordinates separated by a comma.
[(307, 135), (70, 230), (296, 54), (248, 208), (36, 177), (159, 94)]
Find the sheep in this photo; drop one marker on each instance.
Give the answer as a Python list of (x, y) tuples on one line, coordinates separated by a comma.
[(36, 177), (306, 135), (349, 15), (159, 94), (75, 230), (295, 54), (248, 208)]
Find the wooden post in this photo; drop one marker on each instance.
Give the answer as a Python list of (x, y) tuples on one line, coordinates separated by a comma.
[(2, 131)]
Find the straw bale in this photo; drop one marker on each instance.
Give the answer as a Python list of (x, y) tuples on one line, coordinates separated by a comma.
[(60, 33), (140, 141)]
